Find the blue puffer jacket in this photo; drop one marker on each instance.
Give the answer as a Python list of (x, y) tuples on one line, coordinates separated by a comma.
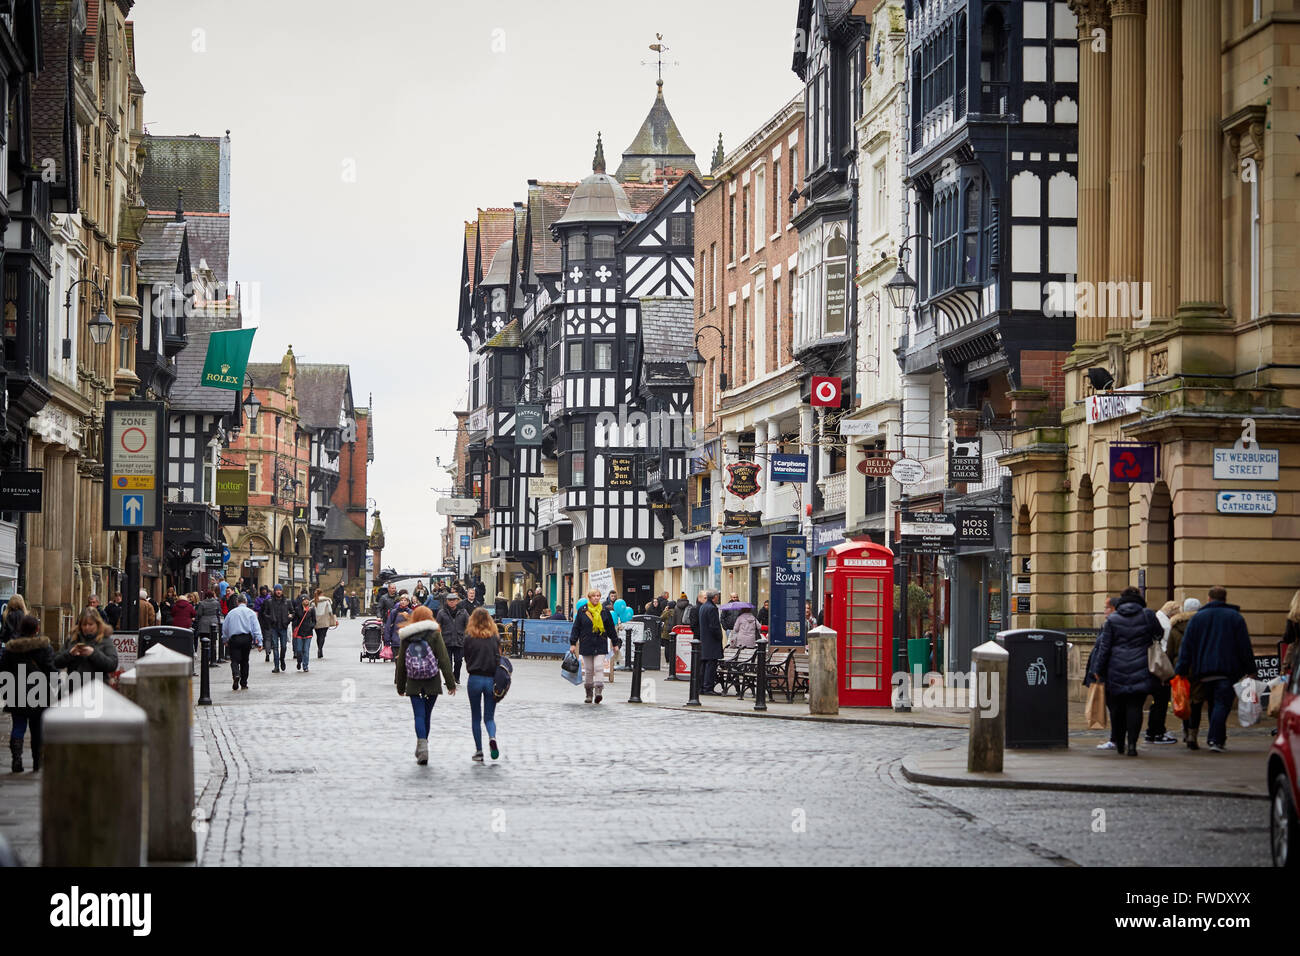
[(1121, 652), (1216, 643)]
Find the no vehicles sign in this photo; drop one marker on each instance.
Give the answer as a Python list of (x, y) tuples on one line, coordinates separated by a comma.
[(133, 433)]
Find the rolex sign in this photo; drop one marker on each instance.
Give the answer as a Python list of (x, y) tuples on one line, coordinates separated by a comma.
[(227, 359)]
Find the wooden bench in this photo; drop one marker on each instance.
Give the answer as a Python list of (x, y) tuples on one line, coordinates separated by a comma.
[(731, 668), (779, 666), (800, 683)]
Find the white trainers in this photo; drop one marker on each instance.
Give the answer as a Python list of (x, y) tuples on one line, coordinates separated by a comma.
[(1108, 745)]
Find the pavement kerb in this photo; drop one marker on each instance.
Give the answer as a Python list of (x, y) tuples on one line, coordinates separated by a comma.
[(1010, 783), (874, 721)]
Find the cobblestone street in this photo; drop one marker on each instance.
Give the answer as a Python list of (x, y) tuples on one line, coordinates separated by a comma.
[(319, 769)]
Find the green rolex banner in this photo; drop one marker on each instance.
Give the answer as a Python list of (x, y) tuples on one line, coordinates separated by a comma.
[(227, 359)]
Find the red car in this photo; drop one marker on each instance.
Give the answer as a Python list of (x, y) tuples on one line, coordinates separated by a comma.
[(1284, 795)]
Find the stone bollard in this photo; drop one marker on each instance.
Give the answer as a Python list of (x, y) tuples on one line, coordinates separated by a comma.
[(823, 678), (94, 791), (988, 713), (126, 685), (164, 691)]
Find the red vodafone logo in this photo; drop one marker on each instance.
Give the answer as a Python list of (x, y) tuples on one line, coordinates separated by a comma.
[(826, 392), (134, 440)]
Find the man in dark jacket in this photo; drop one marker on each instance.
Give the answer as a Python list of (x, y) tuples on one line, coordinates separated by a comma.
[(275, 617), (680, 610), (1215, 654), (112, 612), (387, 601), (710, 633), (452, 619), (763, 613), (1121, 663)]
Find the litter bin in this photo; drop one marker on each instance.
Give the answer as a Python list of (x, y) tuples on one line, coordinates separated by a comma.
[(650, 648), (178, 639), (918, 657), (1037, 687)]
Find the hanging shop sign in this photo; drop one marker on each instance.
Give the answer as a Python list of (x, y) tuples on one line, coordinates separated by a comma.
[(21, 491), (528, 425), (227, 358), (622, 473), (743, 479), (1241, 464), (733, 546), (1102, 408), (234, 516), (788, 580), (965, 460), (742, 519), (232, 486), (133, 480), (878, 464), (859, 426), (837, 283), (907, 471), (299, 514), (928, 532), (975, 529), (826, 392), (1246, 502), (697, 552), (1133, 463), (636, 556), (788, 468), (457, 507), (826, 536)]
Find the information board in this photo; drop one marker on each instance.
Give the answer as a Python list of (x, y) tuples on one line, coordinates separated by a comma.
[(788, 579), (133, 476)]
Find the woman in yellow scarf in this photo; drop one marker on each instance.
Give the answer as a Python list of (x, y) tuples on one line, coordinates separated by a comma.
[(589, 638)]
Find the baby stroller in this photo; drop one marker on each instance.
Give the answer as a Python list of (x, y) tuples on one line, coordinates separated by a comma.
[(372, 639)]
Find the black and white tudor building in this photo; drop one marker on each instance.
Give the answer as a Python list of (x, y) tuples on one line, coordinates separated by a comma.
[(579, 331)]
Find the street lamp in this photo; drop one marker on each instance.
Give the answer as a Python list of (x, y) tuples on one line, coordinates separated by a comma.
[(695, 363), (251, 406), (901, 288), (101, 326)]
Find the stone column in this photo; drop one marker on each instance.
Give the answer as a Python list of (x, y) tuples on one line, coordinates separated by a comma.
[(1094, 155), (1161, 212), (1126, 130), (1201, 266)]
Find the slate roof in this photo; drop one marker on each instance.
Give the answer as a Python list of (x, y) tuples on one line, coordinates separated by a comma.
[(492, 227), (187, 395), (161, 241), (547, 201), (50, 94), (658, 139), (645, 196), (191, 163), (265, 374), (510, 337), (322, 391), (209, 239), (667, 328)]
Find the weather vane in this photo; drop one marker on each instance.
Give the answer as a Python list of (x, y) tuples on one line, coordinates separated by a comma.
[(660, 48)]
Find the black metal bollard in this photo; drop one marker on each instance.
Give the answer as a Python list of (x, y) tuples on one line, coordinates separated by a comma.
[(205, 687), (760, 684), (636, 674), (672, 657), (695, 673)]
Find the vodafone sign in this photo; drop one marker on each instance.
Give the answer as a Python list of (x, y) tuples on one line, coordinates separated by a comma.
[(826, 392)]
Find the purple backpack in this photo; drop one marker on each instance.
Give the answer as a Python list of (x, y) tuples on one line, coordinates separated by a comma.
[(421, 664)]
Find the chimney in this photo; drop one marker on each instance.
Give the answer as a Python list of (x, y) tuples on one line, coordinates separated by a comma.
[(180, 204)]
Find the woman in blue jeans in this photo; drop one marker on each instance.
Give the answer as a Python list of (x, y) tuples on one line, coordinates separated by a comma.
[(421, 659), (482, 650)]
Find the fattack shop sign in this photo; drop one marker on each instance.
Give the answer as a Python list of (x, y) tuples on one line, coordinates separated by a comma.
[(133, 479)]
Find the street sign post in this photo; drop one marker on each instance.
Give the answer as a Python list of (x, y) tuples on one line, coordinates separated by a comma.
[(928, 532), (133, 479)]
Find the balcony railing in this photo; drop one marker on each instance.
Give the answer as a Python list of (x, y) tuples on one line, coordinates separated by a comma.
[(993, 473), (834, 492)]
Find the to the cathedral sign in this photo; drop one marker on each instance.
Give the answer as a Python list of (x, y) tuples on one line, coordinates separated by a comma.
[(743, 479)]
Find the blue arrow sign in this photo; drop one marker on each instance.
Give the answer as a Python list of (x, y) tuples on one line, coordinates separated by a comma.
[(133, 509), (225, 554)]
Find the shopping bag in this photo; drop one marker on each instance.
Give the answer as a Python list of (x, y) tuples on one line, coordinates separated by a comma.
[(1248, 708), (1276, 687), (1096, 708), (386, 652), (1158, 661), (1180, 693), (571, 668)]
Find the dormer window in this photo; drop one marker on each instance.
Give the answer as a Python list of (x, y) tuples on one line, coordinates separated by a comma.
[(602, 246), (577, 247)]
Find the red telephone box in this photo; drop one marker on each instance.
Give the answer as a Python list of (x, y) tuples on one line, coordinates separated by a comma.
[(861, 610)]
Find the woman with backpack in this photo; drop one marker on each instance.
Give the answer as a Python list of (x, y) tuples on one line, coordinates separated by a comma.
[(303, 627), (422, 659), (482, 653)]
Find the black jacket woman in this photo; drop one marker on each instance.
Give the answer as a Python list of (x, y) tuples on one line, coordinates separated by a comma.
[(90, 648), (593, 626), (1120, 660), (423, 692), (304, 625), (27, 653)]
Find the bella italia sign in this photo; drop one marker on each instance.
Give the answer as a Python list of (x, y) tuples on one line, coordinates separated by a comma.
[(227, 358)]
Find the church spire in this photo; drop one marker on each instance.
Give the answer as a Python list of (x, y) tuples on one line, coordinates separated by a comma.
[(598, 162), (717, 156)]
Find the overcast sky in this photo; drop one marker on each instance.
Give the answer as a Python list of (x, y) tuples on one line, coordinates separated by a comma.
[(362, 140)]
